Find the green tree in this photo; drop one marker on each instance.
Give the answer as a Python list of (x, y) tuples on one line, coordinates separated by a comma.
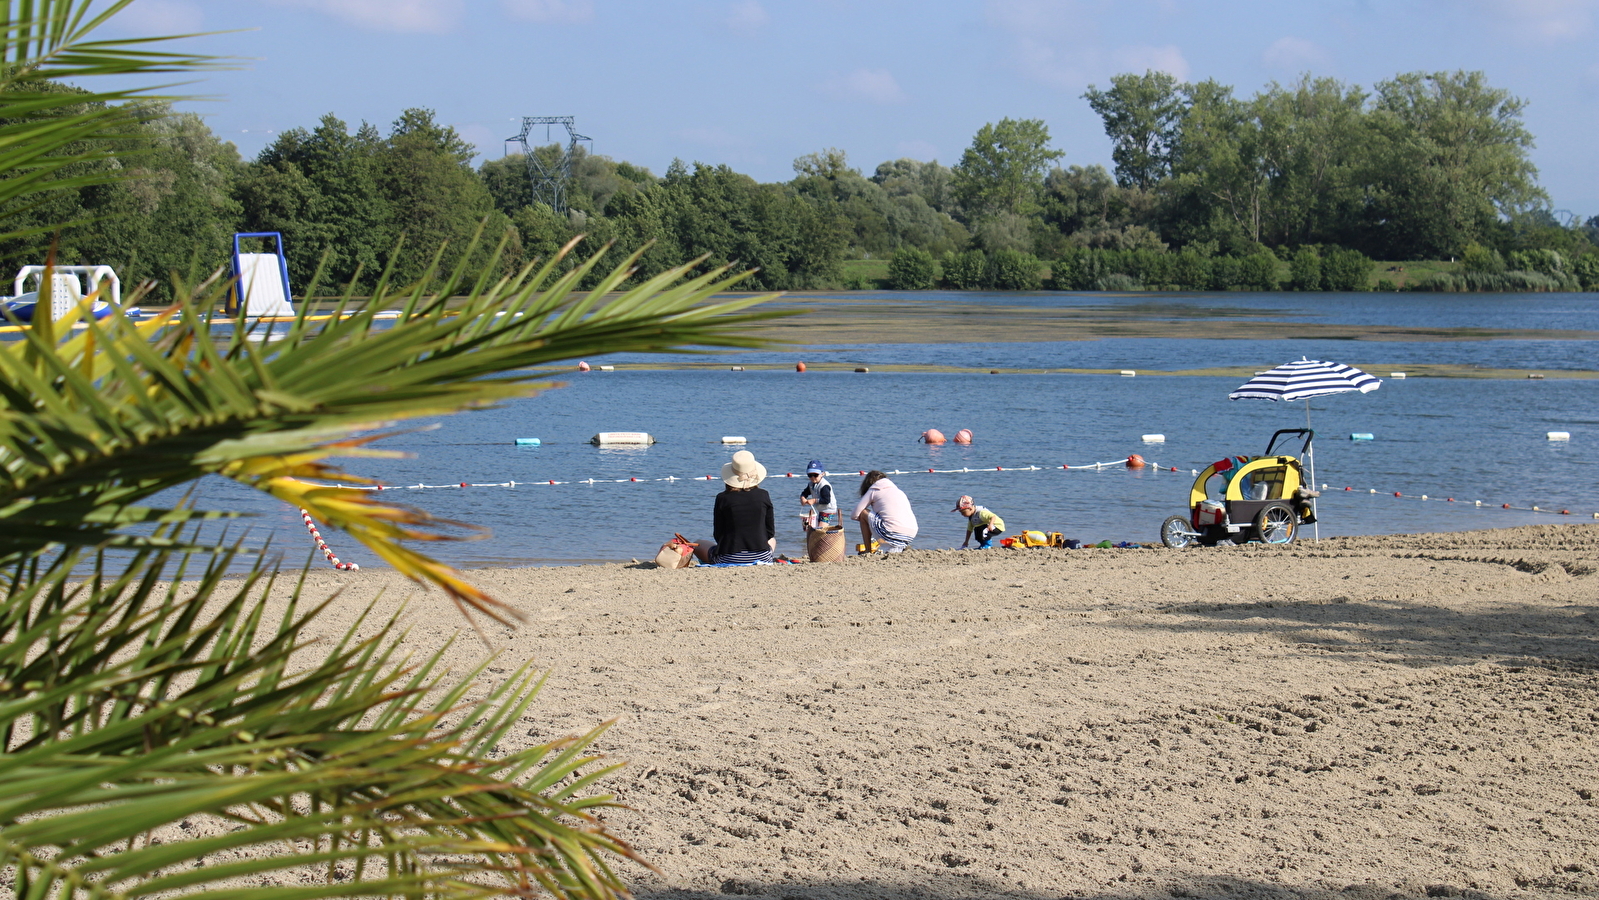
[(1313, 135), (435, 199), (911, 269), (1221, 168), (1141, 115), (1004, 168), (1450, 157)]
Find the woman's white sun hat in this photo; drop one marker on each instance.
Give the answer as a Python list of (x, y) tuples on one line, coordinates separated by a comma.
[(743, 471)]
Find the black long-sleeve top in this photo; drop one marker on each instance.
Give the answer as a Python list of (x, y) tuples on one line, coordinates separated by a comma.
[(743, 520)]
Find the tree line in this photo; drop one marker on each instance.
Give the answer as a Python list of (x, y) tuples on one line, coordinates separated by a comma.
[(1299, 186)]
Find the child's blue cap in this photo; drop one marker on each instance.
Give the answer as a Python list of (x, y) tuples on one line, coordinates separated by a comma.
[(815, 465)]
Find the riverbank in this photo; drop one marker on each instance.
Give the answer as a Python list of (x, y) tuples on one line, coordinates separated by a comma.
[(1367, 717)]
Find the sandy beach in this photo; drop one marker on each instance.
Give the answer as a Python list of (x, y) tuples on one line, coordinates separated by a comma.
[(1373, 717)]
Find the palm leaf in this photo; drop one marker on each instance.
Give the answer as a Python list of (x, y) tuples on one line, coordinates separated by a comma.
[(93, 426), (161, 701)]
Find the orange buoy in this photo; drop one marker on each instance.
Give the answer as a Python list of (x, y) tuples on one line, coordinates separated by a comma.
[(799, 367), (964, 436), (583, 367), (933, 436), (1135, 462)]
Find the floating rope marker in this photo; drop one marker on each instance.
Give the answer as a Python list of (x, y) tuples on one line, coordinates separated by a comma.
[(323, 545)]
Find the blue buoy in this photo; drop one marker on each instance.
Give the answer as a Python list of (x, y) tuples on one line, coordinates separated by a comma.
[(1362, 436), (527, 442)]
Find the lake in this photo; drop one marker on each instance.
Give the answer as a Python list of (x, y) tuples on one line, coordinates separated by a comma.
[(1467, 438)]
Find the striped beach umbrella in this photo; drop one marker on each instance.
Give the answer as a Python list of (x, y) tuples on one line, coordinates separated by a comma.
[(1304, 379)]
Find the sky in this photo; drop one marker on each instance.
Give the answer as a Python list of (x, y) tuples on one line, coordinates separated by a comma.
[(755, 84)]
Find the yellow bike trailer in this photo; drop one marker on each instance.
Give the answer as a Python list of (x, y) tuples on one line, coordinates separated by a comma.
[(1248, 498)]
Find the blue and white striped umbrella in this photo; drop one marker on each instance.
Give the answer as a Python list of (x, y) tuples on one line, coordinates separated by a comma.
[(1304, 379)]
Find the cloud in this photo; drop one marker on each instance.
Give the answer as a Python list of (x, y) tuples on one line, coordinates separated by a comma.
[(427, 16), (1166, 59), (1544, 20), (1292, 54), (161, 17), (871, 85), (551, 12), (1057, 43), (747, 17)]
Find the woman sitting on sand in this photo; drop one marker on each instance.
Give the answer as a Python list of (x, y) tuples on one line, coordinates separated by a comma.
[(742, 519), (884, 512)]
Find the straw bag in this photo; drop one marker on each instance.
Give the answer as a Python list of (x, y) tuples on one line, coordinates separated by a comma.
[(677, 553), (825, 544)]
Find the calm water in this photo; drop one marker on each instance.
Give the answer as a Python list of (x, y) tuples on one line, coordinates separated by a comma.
[(1469, 439)]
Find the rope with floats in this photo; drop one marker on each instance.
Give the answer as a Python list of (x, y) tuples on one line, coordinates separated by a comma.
[(323, 545)]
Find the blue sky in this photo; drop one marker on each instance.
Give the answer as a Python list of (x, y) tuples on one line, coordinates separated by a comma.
[(756, 83)]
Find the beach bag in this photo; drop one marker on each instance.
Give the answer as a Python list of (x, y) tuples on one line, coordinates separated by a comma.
[(677, 553), (825, 544)]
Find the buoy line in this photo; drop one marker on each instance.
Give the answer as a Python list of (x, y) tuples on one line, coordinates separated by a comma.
[(1127, 463), (323, 545)]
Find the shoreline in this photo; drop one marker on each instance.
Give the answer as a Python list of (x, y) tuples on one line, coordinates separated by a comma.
[(1369, 717)]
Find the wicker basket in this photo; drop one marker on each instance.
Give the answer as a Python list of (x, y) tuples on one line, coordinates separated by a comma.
[(825, 544)]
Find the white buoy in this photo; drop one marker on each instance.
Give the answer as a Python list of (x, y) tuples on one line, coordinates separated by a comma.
[(734, 439), (1154, 439), (1535, 376), (1559, 435), (609, 438), (607, 368), (527, 442), (1129, 373), (737, 368), (1396, 374), (1362, 436)]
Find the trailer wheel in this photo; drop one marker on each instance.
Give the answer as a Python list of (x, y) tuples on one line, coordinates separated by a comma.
[(1277, 524), (1177, 533)]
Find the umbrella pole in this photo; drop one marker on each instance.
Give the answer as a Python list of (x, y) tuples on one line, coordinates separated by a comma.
[(1315, 527)]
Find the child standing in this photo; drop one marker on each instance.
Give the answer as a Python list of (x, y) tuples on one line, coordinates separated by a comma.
[(818, 495), (980, 521)]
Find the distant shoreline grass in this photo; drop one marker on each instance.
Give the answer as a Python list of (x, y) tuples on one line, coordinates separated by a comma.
[(872, 274)]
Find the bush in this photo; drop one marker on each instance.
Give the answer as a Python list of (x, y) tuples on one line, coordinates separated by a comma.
[(1346, 270), (965, 271), (1224, 272), (1258, 272), (1304, 270), (911, 269), (1386, 284), (1586, 270), (1190, 271), (1013, 270), (1477, 258)]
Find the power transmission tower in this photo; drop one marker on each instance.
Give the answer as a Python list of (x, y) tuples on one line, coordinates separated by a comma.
[(549, 181)]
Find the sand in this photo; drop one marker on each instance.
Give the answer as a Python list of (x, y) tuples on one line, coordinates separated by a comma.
[(1366, 717)]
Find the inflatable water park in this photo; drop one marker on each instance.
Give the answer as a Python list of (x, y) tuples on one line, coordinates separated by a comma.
[(260, 289)]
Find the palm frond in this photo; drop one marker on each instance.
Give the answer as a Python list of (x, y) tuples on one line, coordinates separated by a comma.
[(95, 424), (161, 701), (46, 130)]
